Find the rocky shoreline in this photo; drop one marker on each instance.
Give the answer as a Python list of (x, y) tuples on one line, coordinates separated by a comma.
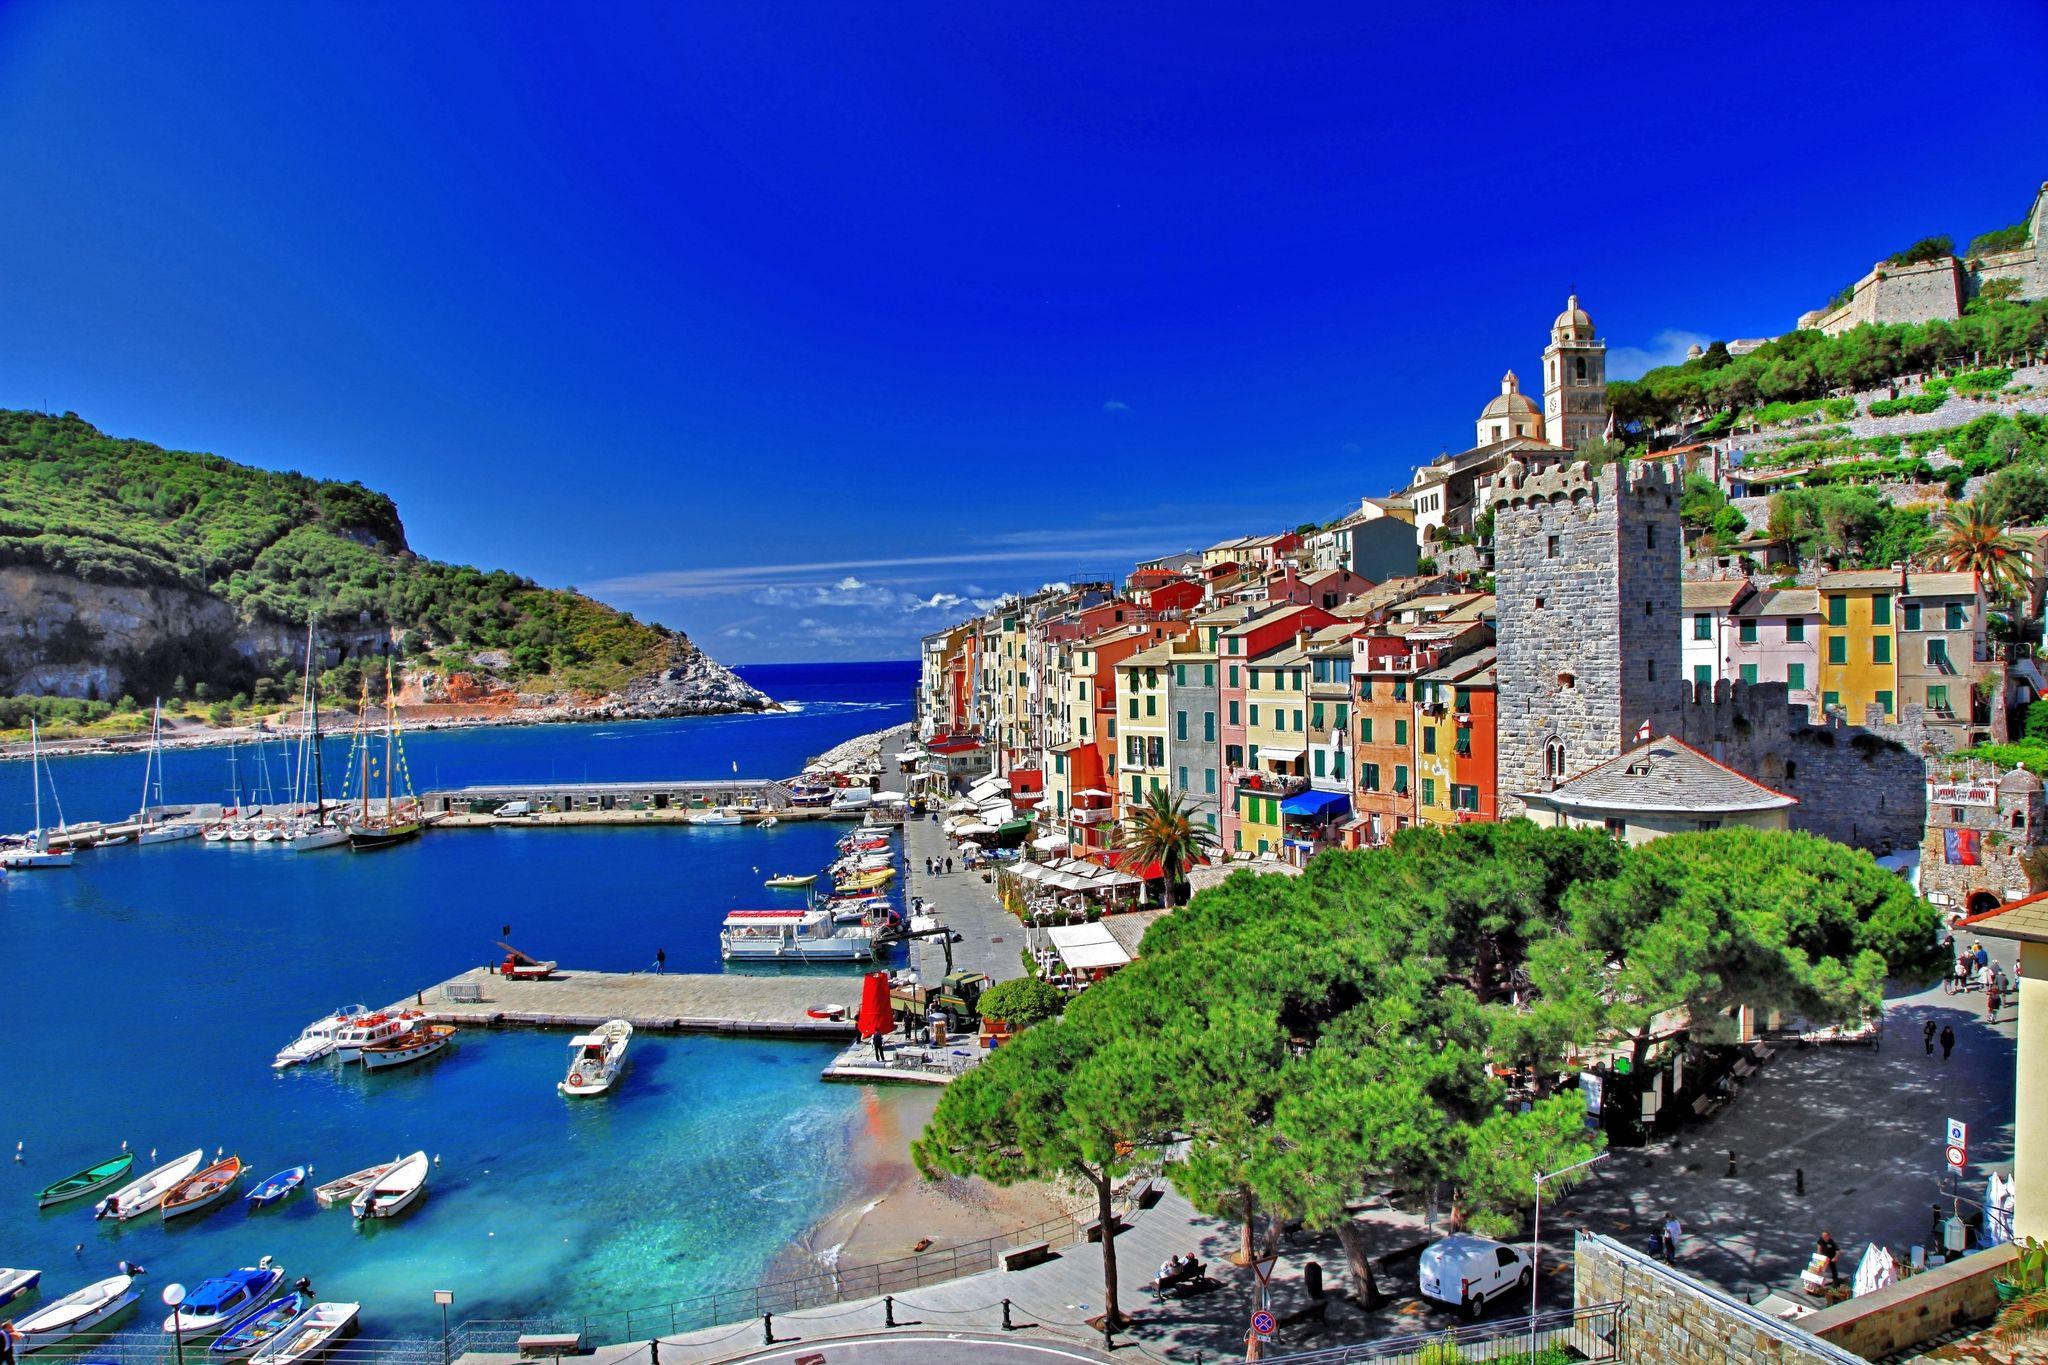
[(862, 753)]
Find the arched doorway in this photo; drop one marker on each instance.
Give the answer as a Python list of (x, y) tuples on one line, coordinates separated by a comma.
[(1983, 902)]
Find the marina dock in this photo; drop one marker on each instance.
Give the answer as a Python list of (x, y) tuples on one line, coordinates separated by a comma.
[(674, 1002)]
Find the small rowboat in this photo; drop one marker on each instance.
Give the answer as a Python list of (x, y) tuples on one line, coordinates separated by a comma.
[(76, 1312), (791, 883), (135, 1199), (312, 1336), (278, 1186), (349, 1186), (393, 1192), (259, 1324), (198, 1193), (826, 1011), (86, 1181), (15, 1283)]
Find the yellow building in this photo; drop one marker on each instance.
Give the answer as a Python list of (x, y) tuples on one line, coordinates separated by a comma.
[(1276, 743), (1858, 648), (1141, 733)]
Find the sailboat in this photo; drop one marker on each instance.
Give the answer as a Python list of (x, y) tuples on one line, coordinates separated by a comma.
[(312, 830), (159, 831), (37, 853), (398, 823)]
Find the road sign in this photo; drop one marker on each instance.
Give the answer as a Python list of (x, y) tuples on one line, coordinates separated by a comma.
[(1262, 1323), (1958, 1144), (1956, 1158), (1263, 1268)]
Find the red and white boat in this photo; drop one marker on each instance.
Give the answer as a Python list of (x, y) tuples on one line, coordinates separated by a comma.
[(412, 1045), (381, 1027)]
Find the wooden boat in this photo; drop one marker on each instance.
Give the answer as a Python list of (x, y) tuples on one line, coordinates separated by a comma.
[(260, 1324), (82, 1183), (216, 1302), (788, 882), (596, 1059), (135, 1199), (279, 1186), (421, 1041), (15, 1283), (198, 1193), (372, 1028), (399, 821), (393, 1192), (79, 1311), (349, 1186), (312, 1336), (372, 838)]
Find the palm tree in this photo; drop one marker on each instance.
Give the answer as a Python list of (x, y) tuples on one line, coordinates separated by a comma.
[(1974, 542), (1163, 830)]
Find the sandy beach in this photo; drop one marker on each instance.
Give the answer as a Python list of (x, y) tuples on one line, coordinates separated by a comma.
[(890, 1207)]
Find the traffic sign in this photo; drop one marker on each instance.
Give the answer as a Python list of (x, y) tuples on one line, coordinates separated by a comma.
[(1263, 1268), (1957, 1158), (1262, 1323), (1958, 1144)]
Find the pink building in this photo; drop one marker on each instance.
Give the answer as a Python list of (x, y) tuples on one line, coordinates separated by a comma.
[(1774, 637)]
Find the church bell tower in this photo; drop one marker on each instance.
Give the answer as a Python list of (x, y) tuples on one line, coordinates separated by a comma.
[(1574, 380)]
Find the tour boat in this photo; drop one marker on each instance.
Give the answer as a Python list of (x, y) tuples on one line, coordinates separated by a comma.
[(596, 1059), (790, 882), (278, 1186), (372, 1028), (417, 1042), (215, 1303), (317, 1039), (312, 1336), (792, 935), (79, 1311), (344, 1190), (200, 1192), (15, 1283), (134, 1200), (84, 1182), (716, 816), (259, 1324), (391, 1193)]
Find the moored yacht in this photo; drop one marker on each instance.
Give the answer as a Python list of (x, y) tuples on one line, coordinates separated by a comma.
[(596, 1059), (318, 1038), (809, 935)]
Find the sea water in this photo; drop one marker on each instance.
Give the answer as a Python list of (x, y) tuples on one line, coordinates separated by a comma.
[(144, 991)]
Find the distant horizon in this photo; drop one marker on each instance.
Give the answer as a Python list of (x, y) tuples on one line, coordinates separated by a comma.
[(819, 329)]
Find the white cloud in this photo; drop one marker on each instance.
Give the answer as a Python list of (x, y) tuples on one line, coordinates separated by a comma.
[(1669, 348), (1116, 405), (848, 584), (938, 601)]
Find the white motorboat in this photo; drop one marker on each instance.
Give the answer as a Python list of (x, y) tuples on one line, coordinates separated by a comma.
[(810, 935), (723, 815), (596, 1059), (415, 1044), (311, 1336), (167, 833), (344, 1190), (216, 1302), (317, 1039), (853, 798), (79, 1311), (393, 1192), (372, 1028), (15, 1283), (140, 1196)]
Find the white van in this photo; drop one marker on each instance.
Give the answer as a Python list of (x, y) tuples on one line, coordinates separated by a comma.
[(1467, 1273), (513, 810)]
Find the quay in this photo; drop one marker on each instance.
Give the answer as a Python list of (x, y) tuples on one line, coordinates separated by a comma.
[(654, 794), (672, 1002)]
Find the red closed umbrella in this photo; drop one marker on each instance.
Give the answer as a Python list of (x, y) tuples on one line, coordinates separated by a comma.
[(875, 1014)]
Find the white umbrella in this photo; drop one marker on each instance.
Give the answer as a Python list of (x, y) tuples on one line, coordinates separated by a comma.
[(972, 831), (889, 799), (1051, 843), (1870, 1270), (970, 847)]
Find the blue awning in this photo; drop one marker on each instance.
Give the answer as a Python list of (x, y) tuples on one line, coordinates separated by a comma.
[(1315, 804)]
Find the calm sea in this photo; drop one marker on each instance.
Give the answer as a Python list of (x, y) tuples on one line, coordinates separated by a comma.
[(146, 989)]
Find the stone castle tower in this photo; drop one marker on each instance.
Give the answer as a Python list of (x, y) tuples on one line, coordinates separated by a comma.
[(1586, 573), (1574, 380)]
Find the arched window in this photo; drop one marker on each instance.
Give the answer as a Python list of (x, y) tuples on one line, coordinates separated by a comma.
[(1579, 368), (1553, 759)]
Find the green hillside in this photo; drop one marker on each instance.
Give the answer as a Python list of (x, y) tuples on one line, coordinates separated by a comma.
[(280, 549)]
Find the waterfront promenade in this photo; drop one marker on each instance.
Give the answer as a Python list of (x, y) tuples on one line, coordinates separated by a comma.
[(676, 1002), (991, 938)]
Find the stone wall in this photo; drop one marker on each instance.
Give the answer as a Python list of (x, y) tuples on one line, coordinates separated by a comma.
[(1909, 1312), (1586, 567), (2008, 829), (1669, 1318)]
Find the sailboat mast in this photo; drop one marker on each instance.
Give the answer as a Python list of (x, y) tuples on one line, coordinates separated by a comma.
[(390, 720), (363, 724), (313, 712), (35, 774)]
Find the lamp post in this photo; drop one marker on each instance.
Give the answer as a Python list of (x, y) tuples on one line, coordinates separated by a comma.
[(1536, 1239), (174, 1294), (444, 1297)]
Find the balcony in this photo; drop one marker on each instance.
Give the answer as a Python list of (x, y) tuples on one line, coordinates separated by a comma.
[(1270, 784), (1098, 816)]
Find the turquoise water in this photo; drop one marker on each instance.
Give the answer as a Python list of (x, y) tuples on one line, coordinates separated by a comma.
[(147, 989)]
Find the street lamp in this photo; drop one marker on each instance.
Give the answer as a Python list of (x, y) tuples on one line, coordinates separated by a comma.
[(1536, 1239), (174, 1294), (444, 1297)]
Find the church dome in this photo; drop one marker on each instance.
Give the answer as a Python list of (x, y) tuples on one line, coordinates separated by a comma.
[(1572, 324), (1512, 401)]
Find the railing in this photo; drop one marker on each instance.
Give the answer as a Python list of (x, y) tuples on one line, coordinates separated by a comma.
[(825, 1286), (1591, 1333), (150, 1347)]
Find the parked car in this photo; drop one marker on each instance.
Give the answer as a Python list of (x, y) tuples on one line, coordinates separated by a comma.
[(1467, 1273)]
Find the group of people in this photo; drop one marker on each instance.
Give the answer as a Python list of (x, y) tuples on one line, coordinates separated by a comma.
[(1177, 1267), (1974, 967), (936, 867)]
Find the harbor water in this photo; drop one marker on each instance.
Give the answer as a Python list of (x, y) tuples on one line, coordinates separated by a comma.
[(148, 988)]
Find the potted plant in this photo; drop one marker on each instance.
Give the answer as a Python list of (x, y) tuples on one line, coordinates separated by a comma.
[(2023, 1293)]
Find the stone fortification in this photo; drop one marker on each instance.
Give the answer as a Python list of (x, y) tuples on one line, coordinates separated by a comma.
[(1938, 289), (1586, 565), (2001, 814)]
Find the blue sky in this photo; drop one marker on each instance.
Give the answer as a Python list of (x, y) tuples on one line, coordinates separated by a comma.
[(795, 325)]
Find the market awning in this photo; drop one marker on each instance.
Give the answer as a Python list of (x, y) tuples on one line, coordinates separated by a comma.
[(1279, 755), (1316, 805), (1087, 946), (988, 787), (1051, 843)]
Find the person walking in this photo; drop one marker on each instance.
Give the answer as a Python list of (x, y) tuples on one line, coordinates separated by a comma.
[(1830, 1254), (949, 865), (1927, 1036), (1948, 1041), (660, 960), (1993, 998), (1673, 1230)]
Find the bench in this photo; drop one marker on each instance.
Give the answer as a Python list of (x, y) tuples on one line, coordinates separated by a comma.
[(1192, 1275), (1762, 1051), (464, 992), (535, 1345), (1744, 1069), (1146, 1195), (1706, 1105), (1091, 1231), (1025, 1256)]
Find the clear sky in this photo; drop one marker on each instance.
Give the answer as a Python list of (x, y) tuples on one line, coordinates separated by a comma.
[(792, 325)]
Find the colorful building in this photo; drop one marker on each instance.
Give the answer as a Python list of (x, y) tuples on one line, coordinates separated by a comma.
[(1777, 640), (1858, 669)]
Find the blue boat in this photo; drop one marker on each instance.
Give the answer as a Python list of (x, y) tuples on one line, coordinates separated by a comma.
[(209, 1308), (15, 1283), (249, 1331), (279, 1185)]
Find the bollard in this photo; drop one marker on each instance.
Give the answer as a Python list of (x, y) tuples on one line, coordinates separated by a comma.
[(1007, 1327), (1108, 1342), (767, 1329), (653, 1353), (1799, 1180), (888, 1310)]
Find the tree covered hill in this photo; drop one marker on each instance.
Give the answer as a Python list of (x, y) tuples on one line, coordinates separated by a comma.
[(232, 561)]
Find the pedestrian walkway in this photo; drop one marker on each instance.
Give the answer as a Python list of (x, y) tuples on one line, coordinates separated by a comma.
[(991, 939)]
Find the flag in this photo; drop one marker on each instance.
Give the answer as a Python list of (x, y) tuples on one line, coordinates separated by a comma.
[(1959, 847), (1643, 733)]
